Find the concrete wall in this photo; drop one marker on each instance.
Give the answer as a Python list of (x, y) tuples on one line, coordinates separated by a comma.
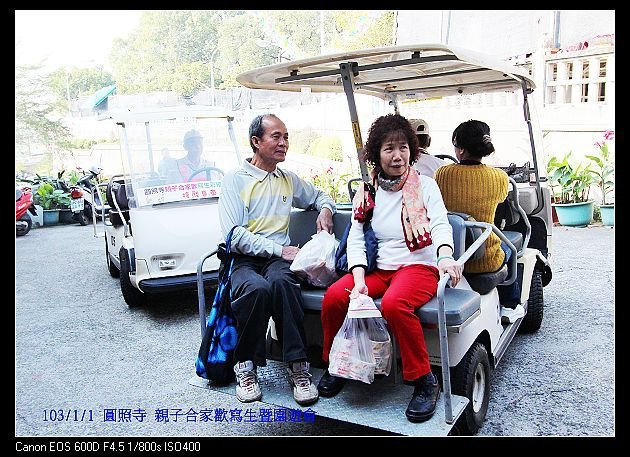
[(500, 32)]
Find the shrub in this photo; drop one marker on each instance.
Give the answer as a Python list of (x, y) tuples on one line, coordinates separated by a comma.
[(327, 147)]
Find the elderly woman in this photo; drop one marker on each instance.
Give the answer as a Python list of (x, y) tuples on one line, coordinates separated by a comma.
[(415, 245)]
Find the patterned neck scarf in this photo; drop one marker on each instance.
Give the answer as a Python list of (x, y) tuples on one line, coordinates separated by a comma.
[(413, 216)]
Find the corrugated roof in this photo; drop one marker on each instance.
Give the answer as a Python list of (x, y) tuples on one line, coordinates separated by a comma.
[(98, 97)]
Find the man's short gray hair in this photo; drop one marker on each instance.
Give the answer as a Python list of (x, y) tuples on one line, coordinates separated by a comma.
[(256, 128)]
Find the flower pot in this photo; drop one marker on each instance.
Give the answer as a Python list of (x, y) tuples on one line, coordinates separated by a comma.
[(608, 214), (51, 216), (65, 216), (574, 214)]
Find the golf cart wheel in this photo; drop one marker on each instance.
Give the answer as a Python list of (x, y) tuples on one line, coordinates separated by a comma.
[(25, 226), (113, 271), (535, 303), (471, 379), (133, 297)]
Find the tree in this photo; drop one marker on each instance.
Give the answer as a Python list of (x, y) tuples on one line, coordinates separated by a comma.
[(70, 83), (240, 39), (167, 48), (362, 29), (298, 32), (37, 119)]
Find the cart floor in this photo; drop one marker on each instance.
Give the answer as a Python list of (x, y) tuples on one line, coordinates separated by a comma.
[(380, 405)]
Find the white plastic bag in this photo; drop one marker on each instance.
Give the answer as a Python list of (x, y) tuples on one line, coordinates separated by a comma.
[(351, 355), (315, 263), (362, 347), (381, 345)]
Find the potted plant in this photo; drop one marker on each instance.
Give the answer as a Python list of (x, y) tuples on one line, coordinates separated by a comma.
[(604, 175), (570, 185), (51, 200)]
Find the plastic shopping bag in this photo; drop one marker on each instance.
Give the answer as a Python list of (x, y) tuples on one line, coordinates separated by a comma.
[(381, 345), (315, 263), (362, 347), (351, 355)]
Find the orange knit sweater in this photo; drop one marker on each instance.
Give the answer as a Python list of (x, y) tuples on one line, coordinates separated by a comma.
[(476, 190)]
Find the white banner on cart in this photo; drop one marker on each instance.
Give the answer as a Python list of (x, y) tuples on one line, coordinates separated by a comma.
[(178, 192)]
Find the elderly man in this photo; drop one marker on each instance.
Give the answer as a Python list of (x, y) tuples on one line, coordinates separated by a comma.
[(181, 170), (426, 163), (257, 198)]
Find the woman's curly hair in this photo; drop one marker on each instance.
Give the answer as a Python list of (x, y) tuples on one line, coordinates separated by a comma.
[(386, 126)]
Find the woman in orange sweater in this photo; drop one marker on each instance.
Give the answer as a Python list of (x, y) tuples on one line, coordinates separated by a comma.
[(474, 188)]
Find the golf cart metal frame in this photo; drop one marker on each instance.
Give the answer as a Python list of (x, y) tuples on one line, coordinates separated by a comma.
[(422, 71), (153, 246)]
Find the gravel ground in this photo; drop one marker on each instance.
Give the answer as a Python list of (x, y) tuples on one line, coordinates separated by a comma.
[(79, 347)]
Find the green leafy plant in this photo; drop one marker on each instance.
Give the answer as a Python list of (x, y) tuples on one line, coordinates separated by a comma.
[(50, 198), (331, 182), (570, 183), (604, 172)]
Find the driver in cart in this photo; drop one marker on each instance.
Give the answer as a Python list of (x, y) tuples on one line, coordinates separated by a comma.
[(182, 169)]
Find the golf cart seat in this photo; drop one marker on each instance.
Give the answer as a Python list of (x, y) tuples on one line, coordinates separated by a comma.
[(460, 304), (118, 191)]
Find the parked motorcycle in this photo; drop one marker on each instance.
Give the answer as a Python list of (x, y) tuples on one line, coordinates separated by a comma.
[(24, 204), (81, 193)]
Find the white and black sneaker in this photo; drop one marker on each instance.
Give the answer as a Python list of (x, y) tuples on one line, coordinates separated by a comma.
[(304, 391), (247, 388)]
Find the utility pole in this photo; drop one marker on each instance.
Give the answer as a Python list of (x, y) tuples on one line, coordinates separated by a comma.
[(212, 74)]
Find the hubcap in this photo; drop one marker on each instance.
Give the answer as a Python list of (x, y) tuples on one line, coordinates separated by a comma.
[(479, 388)]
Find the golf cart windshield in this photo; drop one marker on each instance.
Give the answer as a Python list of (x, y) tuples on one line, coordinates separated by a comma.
[(176, 155)]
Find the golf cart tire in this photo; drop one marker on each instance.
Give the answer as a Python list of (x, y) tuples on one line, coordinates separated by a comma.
[(113, 271), (472, 370), (133, 297), (535, 304)]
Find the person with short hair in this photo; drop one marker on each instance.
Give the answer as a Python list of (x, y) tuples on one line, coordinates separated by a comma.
[(181, 170), (426, 163), (257, 198), (415, 246), (166, 162)]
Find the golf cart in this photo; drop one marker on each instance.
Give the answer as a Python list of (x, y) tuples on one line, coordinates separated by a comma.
[(465, 329), (159, 226)]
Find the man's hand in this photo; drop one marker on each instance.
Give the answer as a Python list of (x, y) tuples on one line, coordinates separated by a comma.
[(289, 253), (325, 220)]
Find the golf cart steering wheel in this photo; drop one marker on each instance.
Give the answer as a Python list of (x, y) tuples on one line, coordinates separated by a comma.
[(207, 170)]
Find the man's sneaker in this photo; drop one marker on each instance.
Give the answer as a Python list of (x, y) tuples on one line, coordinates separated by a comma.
[(304, 391), (247, 388)]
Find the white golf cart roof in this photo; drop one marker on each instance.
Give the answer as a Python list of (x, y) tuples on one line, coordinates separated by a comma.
[(167, 113), (409, 71)]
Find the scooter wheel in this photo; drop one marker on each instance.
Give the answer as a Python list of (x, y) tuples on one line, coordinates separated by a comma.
[(83, 218), (24, 225)]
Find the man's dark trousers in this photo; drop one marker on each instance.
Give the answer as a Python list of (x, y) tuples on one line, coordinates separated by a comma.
[(263, 288)]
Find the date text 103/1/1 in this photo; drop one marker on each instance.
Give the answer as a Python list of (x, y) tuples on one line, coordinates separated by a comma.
[(68, 415)]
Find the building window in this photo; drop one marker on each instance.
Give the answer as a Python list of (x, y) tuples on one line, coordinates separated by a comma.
[(585, 72), (584, 98)]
